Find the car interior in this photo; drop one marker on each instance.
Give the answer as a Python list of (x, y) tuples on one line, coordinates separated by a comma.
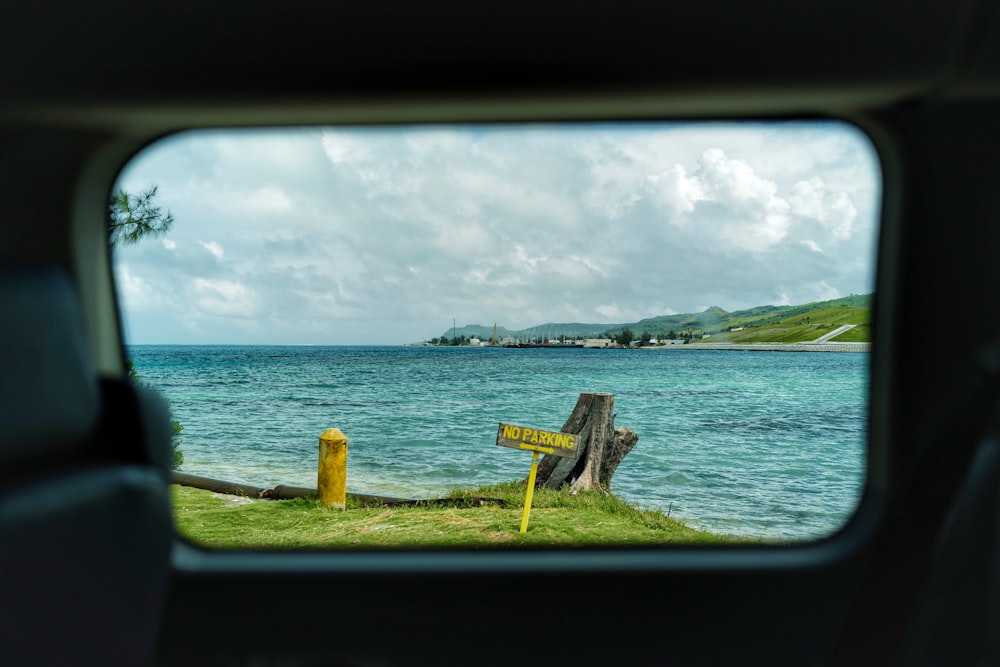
[(91, 570)]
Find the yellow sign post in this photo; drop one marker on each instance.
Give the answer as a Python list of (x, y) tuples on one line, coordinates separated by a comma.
[(536, 441), (530, 492)]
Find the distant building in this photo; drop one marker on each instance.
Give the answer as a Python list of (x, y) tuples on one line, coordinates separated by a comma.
[(507, 341), (598, 342)]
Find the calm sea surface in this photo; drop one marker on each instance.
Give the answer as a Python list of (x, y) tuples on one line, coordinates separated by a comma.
[(767, 444)]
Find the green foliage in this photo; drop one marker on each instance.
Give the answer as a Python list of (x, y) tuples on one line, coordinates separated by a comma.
[(445, 341), (133, 217), (625, 337), (175, 441)]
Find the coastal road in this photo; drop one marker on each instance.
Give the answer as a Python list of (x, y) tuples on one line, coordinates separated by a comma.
[(833, 334)]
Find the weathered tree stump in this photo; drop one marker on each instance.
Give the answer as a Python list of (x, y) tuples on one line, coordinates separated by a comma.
[(604, 447)]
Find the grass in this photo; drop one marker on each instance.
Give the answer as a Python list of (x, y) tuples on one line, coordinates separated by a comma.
[(805, 327), (859, 334), (557, 519)]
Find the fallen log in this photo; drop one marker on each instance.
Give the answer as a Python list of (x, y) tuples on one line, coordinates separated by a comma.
[(217, 485), (279, 492), (603, 449), (285, 492)]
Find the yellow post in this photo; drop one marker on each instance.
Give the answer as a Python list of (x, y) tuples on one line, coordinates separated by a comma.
[(530, 492), (331, 483)]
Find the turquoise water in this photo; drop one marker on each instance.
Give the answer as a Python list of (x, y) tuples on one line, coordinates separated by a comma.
[(764, 444)]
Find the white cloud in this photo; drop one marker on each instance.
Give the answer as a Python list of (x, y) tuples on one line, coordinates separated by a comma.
[(835, 211), (826, 292), (224, 298), (341, 149), (751, 216), (610, 312), (137, 294), (212, 247), (269, 199), (676, 190)]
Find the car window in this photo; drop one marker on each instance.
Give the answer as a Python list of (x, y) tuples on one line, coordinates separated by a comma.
[(690, 301)]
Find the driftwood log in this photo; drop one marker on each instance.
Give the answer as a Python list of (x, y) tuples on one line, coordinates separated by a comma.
[(604, 447), (285, 492)]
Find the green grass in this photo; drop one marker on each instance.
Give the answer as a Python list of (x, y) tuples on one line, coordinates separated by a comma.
[(804, 327), (557, 519), (859, 334)]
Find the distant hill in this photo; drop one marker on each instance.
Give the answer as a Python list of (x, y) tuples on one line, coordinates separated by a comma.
[(759, 324)]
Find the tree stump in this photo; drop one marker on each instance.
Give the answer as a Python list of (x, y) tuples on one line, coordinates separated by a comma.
[(604, 447)]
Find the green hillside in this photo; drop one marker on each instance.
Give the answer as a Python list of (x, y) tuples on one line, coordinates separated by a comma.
[(803, 326), (761, 324)]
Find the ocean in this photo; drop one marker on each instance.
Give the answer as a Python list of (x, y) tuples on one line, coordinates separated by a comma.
[(759, 444)]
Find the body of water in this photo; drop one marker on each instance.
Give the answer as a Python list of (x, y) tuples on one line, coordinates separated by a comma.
[(763, 444)]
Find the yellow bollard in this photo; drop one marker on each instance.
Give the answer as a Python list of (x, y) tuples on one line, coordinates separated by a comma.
[(331, 484)]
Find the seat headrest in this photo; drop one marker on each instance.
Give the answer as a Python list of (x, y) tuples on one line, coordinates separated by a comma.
[(49, 398)]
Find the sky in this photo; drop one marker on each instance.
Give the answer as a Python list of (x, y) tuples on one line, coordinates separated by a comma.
[(341, 236)]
